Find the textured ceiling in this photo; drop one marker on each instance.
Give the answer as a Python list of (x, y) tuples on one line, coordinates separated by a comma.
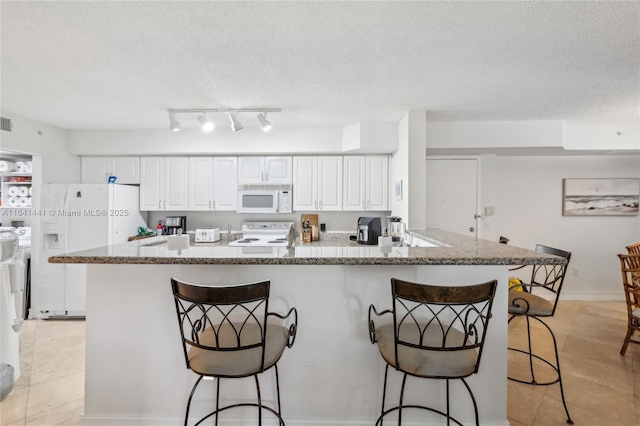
[(120, 65)]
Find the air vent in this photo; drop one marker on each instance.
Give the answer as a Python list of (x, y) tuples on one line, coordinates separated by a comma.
[(6, 124)]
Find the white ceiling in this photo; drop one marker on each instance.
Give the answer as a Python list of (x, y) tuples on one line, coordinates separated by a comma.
[(120, 65)]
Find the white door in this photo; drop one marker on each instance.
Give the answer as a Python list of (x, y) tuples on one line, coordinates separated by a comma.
[(95, 169), (329, 183), (377, 179), (250, 170), (277, 170), (354, 183), (225, 183), (151, 183), (452, 195), (200, 183), (305, 183), (176, 181), (126, 169)]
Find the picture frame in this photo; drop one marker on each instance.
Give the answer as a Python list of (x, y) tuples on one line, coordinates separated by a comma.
[(398, 190), (600, 197)]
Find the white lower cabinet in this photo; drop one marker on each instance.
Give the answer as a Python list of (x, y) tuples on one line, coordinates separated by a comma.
[(164, 183), (317, 183)]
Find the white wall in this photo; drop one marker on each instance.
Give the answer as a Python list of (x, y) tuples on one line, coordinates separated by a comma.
[(529, 211)]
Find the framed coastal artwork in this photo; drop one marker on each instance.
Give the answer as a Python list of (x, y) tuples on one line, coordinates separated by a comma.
[(600, 197)]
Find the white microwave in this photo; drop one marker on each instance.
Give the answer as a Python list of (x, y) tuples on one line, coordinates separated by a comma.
[(265, 199)]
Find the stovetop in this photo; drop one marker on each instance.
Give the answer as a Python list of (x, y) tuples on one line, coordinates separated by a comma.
[(265, 234)]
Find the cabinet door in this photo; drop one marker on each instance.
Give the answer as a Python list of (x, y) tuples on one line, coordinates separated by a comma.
[(225, 183), (305, 183), (277, 170), (151, 183), (200, 183), (250, 170), (127, 169), (329, 183), (354, 183), (176, 182), (95, 169), (377, 182)]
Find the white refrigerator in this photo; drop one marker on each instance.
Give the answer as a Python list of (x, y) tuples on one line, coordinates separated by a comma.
[(77, 217)]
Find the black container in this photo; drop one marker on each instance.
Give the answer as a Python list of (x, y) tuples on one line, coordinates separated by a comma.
[(369, 229)]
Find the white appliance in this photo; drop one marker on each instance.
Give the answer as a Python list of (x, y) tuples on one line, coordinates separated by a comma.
[(10, 320), (207, 235), (77, 217), (265, 234), (265, 199)]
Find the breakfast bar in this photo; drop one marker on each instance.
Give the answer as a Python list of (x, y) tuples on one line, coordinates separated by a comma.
[(135, 370)]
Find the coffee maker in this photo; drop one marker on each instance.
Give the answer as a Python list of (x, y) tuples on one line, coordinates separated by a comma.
[(174, 223), (369, 229)]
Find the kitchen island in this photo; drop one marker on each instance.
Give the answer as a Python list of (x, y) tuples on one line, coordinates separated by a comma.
[(135, 371)]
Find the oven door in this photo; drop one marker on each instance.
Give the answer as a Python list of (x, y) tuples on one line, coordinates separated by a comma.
[(257, 201)]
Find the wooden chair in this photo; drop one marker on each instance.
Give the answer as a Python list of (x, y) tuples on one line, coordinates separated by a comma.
[(634, 248), (630, 267), (225, 334), (433, 332)]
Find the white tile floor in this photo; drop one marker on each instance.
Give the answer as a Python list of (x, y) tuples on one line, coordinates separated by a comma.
[(602, 387)]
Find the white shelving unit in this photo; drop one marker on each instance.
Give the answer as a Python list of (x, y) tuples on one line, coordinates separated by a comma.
[(15, 185)]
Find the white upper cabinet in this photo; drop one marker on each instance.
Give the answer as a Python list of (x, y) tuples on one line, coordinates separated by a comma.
[(200, 183), (377, 187), (366, 182), (329, 183), (262, 170), (225, 183), (98, 169), (317, 183), (164, 183), (305, 183)]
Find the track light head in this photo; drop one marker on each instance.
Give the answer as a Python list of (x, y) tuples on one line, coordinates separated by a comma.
[(265, 125), (174, 124), (235, 123), (207, 125)]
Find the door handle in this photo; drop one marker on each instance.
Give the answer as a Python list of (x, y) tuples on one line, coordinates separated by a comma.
[(472, 229)]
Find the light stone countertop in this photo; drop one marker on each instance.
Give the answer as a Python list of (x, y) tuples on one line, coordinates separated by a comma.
[(332, 249)]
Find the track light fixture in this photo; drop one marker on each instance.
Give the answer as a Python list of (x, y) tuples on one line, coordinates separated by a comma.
[(235, 123), (174, 124), (265, 124), (207, 124)]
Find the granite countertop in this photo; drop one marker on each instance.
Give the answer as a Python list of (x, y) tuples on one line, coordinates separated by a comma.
[(332, 249)]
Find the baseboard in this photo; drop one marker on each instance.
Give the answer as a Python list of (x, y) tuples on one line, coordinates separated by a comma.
[(617, 296)]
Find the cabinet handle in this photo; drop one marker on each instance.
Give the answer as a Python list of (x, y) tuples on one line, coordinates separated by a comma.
[(364, 206), (159, 204), (262, 176), (320, 204), (214, 204), (315, 205), (106, 177), (267, 176), (368, 204), (209, 204), (165, 204)]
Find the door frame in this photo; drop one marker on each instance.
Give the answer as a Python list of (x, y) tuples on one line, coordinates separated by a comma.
[(477, 158)]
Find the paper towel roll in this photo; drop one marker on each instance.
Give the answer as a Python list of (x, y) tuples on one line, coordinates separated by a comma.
[(19, 166), (13, 202), (13, 191), (28, 166), (30, 190), (6, 166), (23, 191), (29, 202)]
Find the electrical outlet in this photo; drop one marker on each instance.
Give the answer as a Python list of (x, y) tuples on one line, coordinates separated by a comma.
[(576, 271)]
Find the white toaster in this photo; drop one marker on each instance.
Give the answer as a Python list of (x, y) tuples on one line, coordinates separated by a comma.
[(207, 235)]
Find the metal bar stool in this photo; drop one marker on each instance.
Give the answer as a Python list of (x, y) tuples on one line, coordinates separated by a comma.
[(532, 307), (225, 334), (434, 332)]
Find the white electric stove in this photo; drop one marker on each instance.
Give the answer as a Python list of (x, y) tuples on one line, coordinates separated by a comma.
[(265, 234)]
